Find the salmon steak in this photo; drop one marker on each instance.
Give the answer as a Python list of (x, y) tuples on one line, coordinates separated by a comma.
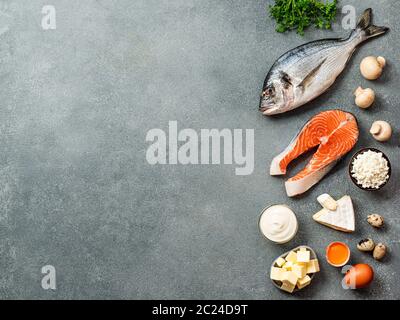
[(333, 132)]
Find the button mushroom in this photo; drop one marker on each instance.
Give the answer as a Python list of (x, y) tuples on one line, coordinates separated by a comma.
[(381, 130), (364, 97), (375, 220), (366, 245), (379, 251), (371, 67)]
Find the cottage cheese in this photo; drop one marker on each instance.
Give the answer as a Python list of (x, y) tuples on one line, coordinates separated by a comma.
[(370, 169)]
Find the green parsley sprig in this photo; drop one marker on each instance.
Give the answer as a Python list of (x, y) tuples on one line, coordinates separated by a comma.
[(300, 14)]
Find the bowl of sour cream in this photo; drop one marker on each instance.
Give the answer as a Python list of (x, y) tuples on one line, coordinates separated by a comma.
[(278, 223)]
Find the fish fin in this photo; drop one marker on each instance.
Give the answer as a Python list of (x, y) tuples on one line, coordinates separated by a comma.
[(310, 77), (365, 24), (365, 20)]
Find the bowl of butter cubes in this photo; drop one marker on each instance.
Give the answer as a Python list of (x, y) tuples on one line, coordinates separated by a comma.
[(295, 269)]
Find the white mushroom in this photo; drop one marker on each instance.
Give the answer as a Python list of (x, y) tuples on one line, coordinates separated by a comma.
[(381, 130), (371, 67), (364, 97)]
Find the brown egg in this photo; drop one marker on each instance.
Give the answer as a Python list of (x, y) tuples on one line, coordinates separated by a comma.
[(359, 276)]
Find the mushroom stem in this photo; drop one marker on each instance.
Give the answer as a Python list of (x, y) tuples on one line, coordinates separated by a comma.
[(381, 130), (381, 61), (358, 91), (376, 128)]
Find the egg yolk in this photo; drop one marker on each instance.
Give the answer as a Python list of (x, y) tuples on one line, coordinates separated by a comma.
[(338, 253)]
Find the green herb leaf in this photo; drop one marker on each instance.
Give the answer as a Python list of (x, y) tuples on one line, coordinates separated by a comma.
[(300, 14)]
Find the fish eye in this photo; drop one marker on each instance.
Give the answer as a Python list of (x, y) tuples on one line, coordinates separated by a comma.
[(269, 91)]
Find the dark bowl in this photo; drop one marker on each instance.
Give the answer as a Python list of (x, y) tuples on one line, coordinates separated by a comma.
[(351, 167)]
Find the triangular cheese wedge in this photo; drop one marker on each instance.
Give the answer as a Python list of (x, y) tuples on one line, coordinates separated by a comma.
[(341, 219)]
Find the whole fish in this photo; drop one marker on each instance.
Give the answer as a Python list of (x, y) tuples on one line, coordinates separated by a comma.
[(307, 71)]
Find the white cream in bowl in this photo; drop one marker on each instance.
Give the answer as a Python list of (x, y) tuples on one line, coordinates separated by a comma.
[(278, 223)]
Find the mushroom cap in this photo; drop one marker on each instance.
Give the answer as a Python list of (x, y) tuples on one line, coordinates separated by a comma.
[(364, 97), (370, 68)]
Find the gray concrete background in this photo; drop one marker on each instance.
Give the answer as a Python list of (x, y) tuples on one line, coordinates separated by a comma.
[(76, 190)]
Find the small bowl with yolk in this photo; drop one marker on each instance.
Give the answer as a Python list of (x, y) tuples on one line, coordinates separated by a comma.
[(337, 254)]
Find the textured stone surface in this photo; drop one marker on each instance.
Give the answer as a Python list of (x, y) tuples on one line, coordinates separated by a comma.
[(76, 190)]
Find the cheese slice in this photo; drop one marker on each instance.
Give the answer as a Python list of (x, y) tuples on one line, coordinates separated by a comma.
[(341, 219)]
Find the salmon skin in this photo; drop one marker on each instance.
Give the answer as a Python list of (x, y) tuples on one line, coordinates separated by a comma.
[(304, 73), (334, 132)]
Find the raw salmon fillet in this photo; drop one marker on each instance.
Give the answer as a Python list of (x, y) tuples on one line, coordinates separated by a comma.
[(335, 132)]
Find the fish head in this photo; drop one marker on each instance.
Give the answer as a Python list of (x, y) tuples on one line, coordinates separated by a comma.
[(275, 97)]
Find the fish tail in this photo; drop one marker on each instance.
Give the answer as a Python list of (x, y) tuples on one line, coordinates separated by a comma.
[(365, 26)]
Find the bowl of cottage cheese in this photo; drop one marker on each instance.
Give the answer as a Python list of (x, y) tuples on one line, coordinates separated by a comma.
[(370, 169)]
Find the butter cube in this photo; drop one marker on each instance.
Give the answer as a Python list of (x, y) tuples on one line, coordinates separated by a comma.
[(289, 277), (276, 273), (280, 262), (288, 265), (313, 266), (292, 257), (287, 287), (299, 270), (304, 264), (316, 265), (303, 249), (303, 282), (303, 256)]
